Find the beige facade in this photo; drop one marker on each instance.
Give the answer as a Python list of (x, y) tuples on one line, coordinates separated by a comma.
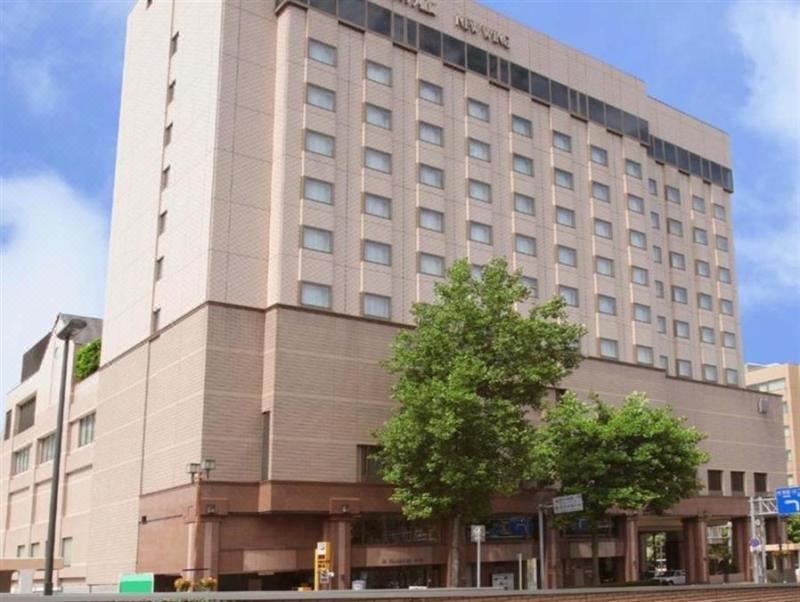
[(226, 204), (783, 380)]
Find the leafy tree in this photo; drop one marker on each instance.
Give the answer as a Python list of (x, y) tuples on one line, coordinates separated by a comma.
[(87, 359), (466, 376), (793, 528), (633, 457)]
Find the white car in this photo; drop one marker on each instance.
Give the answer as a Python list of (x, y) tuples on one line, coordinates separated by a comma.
[(677, 577)]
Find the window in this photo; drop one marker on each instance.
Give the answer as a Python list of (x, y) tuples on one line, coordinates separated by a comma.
[(709, 373), (563, 178), (702, 268), (635, 203), (316, 239), (726, 307), (663, 362), (524, 204), (562, 142), (677, 260), (168, 134), (524, 244), (674, 227), (378, 206), (656, 254), (644, 355), (378, 116), (655, 220), (600, 192), (604, 266), (652, 186), (681, 329), (637, 239), (715, 481), (431, 176), (7, 427), (700, 236), (369, 468), (431, 133), (707, 335), (47, 448), (598, 155), (659, 289), (673, 194), (639, 275), (319, 143), (321, 52), (481, 233), (704, 301), (569, 294), (86, 430), (760, 482), (523, 165), (661, 324), (379, 73), (318, 191), (731, 376), (323, 98), (565, 217), (377, 160), (737, 482), (567, 255), (479, 150), (521, 126), (607, 305), (722, 243), (698, 204), (633, 169), (719, 212), (431, 220), (315, 295), (683, 368), (477, 109), (20, 460), (641, 313), (66, 551), (376, 306), (26, 412), (608, 348), (729, 340), (603, 228), (430, 92), (724, 275), (165, 178), (21, 550), (377, 252), (532, 284), (679, 294), (35, 551), (432, 265), (476, 271)]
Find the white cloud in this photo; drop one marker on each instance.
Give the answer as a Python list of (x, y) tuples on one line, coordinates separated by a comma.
[(35, 80), (768, 238), (54, 262)]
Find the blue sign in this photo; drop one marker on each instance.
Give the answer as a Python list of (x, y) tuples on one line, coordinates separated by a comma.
[(788, 500)]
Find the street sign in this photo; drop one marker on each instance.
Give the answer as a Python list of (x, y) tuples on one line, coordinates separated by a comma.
[(755, 542), (477, 533), (567, 503), (788, 500)]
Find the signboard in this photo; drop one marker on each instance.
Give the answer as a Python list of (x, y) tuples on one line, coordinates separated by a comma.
[(137, 583), (323, 550), (510, 527), (477, 533), (503, 581), (755, 542), (567, 503), (787, 500)]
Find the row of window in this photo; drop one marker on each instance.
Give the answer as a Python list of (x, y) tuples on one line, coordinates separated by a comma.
[(36, 550), (46, 446), (456, 53), (737, 483)]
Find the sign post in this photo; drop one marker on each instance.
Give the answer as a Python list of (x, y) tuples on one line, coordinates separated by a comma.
[(478, 534), (564, 504), (322, 564)]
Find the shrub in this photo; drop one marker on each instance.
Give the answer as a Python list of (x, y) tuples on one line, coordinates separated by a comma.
[(87, 359)]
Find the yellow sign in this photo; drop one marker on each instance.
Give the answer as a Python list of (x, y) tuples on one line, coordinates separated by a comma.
[(322, 564)]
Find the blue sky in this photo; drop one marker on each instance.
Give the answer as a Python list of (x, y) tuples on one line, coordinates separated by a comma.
[(733, 64)]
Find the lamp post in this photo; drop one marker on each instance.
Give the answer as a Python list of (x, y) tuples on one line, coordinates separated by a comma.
[(69, 331)]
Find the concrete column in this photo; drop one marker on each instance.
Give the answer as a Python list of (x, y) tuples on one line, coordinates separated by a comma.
[(337, 530), (740, 538), (631, 543), (695, 550), (552, 573)]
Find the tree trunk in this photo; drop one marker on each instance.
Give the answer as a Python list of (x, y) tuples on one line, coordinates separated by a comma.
[(595, 554), (454, 565)]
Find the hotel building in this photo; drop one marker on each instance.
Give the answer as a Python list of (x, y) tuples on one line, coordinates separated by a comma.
[(291, 176)]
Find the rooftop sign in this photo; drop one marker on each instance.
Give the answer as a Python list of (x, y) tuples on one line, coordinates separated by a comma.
[(424, 6), (489, 34)]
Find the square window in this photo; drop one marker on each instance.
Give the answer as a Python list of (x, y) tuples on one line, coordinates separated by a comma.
[(661, 324), (604, 266), (608, 348), (600, 192), (430, 92), (633, 169), (707, 335), (637, 239), (652, 186), (378, 206), (655, 220), (523, 165), (569, 294), (433, 265), (724, 275), (319, 143), (323, 98), (731, 376), (719, 212), (700, 236), (525, 244), (377, 160), (639, 275), (704, 301), (729, 340), (635, 203), (317, 191), (683, 368), (722, 243), (674, 227), (562, 142), (656, 254), (663, 362), (641, 313), (702, 268), (315, 295), (316, 239), (563, 178), (481, 233), (598, 155), (644, 355), (532, 285), (679, 294), (673, 194), (603, 228), (379, 73), (321, 52), (524, 204), (476, 271), (477, 109), (726, 307), (378, 116), (607, 305), (521, 126), (431, 133), (377, 252), (431, 220), (698, 204), (565, 217), (480, 191), (479, 150), (431, 176), (677, 260), (567, 255), (710, 373), (681, 329)]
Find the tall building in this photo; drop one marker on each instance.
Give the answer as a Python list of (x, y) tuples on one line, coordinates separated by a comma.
[(783, 380), (291, 176)]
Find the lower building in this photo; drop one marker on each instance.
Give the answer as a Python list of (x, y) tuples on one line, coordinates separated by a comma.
[(284, 403)]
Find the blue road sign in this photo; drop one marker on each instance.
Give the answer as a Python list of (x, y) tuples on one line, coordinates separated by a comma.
[(788, 500)]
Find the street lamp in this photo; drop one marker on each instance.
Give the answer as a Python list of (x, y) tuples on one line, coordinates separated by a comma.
[(195, 470), (69, 331)]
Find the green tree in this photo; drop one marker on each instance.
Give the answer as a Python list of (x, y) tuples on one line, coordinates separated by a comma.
[(87, 359), (633, 457), (466, 377), (793, 528)]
